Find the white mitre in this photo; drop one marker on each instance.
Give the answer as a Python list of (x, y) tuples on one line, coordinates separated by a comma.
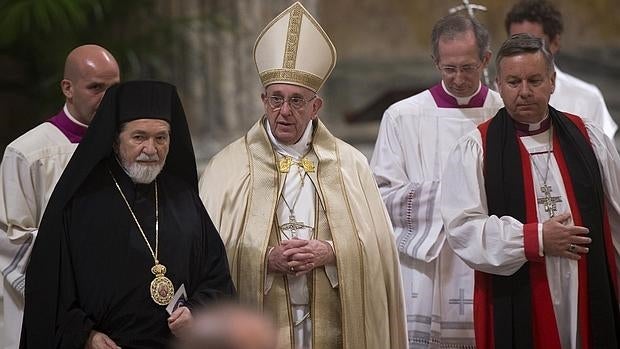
[(294, 49)]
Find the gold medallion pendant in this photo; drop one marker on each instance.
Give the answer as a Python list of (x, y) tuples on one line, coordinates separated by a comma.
[(162, 289)]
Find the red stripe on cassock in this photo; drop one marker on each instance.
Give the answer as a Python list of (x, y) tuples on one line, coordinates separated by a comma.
[(609, 248), (483, 311), (483, 293), (530, 226), (544, 328), (483, 128), (582, 266)]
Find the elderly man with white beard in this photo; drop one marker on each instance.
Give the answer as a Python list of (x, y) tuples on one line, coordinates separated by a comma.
[(123, 231)]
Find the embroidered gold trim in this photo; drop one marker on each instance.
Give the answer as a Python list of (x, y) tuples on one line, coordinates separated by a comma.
[(292, 37), (308, 80)]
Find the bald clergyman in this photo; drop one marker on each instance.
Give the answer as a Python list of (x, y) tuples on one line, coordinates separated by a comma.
[(32, 165)]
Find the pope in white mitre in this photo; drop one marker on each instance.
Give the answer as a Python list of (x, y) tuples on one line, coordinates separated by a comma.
[(307, 234)]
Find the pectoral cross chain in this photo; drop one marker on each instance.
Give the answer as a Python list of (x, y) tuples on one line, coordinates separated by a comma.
[(549, 201), (292, 225)]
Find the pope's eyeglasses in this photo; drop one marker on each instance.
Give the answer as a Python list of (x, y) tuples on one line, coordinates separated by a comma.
[(295, 102)]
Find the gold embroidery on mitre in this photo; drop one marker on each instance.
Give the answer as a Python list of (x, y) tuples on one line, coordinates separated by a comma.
[(305, 79), (286, 37), (292, 37)]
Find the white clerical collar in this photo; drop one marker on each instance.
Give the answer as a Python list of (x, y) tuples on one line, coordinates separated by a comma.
[(536, 126), (297, 150), (461, 100), (74, 120)]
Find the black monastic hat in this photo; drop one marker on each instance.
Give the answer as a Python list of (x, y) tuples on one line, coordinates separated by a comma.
[(121, 103)]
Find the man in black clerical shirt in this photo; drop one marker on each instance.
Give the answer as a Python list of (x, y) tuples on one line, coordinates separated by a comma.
[(124, 231)]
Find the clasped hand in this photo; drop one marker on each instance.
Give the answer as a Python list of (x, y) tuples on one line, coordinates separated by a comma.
[(298, 257)]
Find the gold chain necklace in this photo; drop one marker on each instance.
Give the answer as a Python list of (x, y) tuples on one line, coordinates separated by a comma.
[(162, 289), (291, 209), (293, 224)]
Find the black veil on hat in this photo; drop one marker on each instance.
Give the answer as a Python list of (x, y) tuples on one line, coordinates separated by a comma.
[(121, 103)]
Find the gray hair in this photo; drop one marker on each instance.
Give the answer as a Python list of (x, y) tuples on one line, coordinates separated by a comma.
[(524, 43), (451, 25)]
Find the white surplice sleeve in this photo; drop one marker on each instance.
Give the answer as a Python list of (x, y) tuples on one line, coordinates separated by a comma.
[(609, 166), (19, 216), (30, 168), (412, 201), (19, 212), (486, 243), (609, 126)]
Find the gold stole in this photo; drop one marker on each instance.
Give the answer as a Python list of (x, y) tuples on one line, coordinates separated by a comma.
[(265, 187), (324, 300), (346, 241)]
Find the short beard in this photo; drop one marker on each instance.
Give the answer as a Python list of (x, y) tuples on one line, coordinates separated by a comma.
[(139, 173)]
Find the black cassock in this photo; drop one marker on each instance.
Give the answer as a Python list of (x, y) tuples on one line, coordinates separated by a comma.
[(105, 264), (90, 268)]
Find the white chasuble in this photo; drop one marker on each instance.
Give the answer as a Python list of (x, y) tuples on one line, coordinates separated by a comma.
[(297, 207), (358, 306)]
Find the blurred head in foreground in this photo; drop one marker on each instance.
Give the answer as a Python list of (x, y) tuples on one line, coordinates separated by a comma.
[(230, 326)]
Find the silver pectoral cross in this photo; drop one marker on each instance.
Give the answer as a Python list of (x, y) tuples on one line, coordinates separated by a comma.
[(549, 201), (293, 225)]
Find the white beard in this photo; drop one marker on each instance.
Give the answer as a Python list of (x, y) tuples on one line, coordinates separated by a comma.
[(140, 173)]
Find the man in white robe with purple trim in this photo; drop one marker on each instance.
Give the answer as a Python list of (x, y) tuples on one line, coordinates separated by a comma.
[(414, 140), (31, 166), (307, 235)]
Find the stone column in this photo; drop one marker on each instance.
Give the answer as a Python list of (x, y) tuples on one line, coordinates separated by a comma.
[(215, 69)]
